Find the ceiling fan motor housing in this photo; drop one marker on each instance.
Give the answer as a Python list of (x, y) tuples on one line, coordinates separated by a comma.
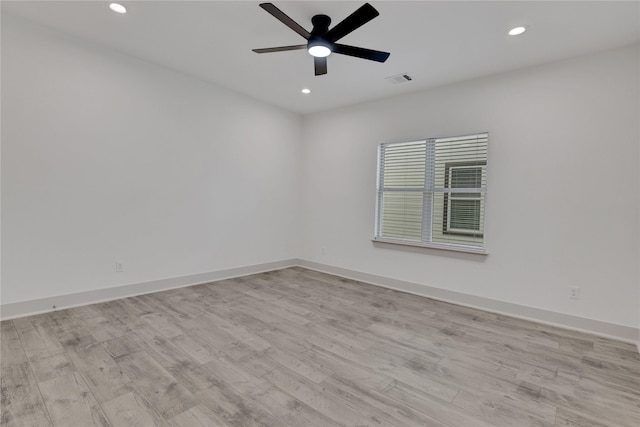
[(320, 28)]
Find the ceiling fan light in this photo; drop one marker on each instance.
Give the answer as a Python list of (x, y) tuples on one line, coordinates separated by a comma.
[(319, 51)]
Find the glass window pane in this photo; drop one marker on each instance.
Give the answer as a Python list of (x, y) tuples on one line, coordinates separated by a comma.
[(464, 215), (401, 215), (466, 177), (404, 165)]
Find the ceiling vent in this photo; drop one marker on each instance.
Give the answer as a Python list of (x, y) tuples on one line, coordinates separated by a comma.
[(399, 78)]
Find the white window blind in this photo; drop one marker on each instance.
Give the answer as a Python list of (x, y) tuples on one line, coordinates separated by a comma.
[(433, 192)]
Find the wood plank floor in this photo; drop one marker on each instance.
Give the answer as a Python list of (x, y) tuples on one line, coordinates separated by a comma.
[(300, 348)]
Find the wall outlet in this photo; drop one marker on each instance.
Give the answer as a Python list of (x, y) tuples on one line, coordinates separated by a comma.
[(324, 250), (119, 266), (574, 292)]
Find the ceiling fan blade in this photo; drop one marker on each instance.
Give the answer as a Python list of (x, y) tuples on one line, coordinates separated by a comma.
[(282, 17), (364, 14), (280, 48), (320, 65), (360, 52)]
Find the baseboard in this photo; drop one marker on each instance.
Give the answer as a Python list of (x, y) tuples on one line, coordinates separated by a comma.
[(44, 305), (561, 320), (566, 321)]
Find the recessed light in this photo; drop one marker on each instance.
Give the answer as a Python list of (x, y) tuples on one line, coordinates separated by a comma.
[(118, 8), (306, 91), (516, 31)]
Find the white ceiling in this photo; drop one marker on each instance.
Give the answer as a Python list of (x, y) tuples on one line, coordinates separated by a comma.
[(436, 42)]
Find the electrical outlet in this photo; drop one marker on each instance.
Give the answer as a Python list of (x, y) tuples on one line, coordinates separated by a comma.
[(119, 266), (574, 292), (324, 250)]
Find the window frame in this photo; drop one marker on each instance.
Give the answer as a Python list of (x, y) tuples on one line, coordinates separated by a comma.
[(429, 191)]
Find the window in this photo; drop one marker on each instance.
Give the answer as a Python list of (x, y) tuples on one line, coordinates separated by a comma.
[(432, 192)]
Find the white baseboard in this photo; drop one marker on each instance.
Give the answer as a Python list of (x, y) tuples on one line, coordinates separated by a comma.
[(561, 320), (566, 321), (44, 305)]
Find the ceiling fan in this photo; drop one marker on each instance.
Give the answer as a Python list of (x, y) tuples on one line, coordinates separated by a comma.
[(321, 41)]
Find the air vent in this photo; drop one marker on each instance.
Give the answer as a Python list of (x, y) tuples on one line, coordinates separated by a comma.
[(399, 78)]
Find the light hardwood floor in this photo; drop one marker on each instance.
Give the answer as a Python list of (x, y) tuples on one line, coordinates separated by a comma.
[(300, 348)]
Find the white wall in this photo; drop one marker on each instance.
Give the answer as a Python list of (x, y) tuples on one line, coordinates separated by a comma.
[(563, 186), (109, 158)]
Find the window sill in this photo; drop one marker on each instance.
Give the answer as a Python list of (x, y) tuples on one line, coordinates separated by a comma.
[(454, 248)]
